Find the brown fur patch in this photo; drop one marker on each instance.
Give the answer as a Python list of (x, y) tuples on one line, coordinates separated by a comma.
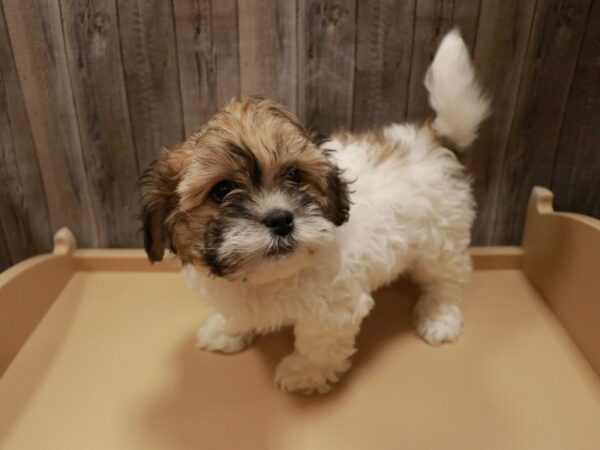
[(254, 144), (380, 149), (442, 140)]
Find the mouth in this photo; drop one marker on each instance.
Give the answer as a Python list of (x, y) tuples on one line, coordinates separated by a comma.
[(281, 246)]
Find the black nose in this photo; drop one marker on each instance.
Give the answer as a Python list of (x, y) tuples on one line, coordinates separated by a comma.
[(279, 221)]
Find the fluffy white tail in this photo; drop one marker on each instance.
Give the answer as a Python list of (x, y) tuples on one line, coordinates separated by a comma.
[(454, 94)]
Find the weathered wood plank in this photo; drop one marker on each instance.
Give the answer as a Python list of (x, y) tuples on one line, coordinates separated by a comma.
[(576, 175), (551, 56), (326, 49), (208, 53), (94, 89), (434, 19), (147, 32), (5, 258), (596, 209), (268, 49), (24, 220), (465, 16), (501, 43), (94, 61), (37, 40), (383, 53)]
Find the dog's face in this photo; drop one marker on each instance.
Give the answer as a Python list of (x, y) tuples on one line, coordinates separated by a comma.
[(251, 195)]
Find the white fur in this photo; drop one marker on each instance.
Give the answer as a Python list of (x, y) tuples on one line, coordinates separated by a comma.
[(454, 93), (408, 214), (215, 336)]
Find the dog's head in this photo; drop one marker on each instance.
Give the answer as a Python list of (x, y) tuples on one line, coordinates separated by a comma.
[(251, 195)]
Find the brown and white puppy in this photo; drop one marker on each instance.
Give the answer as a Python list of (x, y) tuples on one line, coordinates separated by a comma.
[(230, 196), (261, 215)]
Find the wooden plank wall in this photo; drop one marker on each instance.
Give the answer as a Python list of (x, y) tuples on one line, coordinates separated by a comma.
[(90, 90)]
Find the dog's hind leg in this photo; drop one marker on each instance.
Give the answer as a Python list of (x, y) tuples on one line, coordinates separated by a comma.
[(437, 313)]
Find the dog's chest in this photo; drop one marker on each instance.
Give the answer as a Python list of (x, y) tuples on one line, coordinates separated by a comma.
[(261, 308)]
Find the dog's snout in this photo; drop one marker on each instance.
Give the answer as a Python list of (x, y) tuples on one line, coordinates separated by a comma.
[(279, 221)]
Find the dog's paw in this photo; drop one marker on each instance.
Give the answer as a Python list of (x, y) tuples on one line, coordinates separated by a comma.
[(297, 374), (442, 323), (213, 336)]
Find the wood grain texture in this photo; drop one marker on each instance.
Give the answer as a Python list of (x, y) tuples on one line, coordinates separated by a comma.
[(596, 208), (433, 19), (208, 54), (326, 55), (576, 171), (94, 61), (465, 16), (383, 54), (147, 37), (5, 259), (38, 45), (24, 220), (556, 37), (268, 49), (91, 89), (499, 56)]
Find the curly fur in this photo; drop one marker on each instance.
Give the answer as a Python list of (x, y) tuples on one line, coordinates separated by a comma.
[(411, 211)]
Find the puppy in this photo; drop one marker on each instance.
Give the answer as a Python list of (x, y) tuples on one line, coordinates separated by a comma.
[(275, 226)]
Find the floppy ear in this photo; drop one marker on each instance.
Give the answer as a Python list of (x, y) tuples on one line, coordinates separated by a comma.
[(337, 206), (158, 190), (337, 195)]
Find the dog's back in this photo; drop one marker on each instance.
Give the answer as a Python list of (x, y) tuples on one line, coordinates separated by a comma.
[(411, 198)]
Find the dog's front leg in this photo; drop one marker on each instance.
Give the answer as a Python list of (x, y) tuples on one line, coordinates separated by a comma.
[(322, 354), (218, 335)]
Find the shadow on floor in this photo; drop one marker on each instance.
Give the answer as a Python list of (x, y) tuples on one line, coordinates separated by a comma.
[(230, 401)]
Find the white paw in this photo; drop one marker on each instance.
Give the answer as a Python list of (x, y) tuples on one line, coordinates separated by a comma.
[(213, 336), (297, 374), (442, 323)]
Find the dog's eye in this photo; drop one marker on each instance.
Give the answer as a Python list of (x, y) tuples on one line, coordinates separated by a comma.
[(294, 175), (221, 189)]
